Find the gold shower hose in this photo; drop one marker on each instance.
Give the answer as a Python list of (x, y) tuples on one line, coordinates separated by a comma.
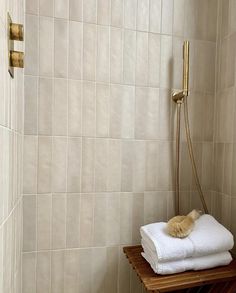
[(191, 154), (181, 98)]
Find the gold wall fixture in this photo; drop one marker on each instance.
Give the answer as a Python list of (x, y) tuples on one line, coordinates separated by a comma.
[(16, 59), (179, 96), (186, 67), (15, 33)]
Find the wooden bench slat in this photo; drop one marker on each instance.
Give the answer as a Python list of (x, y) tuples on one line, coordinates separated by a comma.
[(169, 283)]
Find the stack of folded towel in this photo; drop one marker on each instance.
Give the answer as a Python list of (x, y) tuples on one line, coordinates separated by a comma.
[(206, 247)]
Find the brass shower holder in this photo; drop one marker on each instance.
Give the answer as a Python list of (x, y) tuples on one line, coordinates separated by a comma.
[(178, 97), (15, 33)]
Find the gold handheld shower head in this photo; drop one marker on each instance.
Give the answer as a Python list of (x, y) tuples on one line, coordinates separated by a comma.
[(186, 68)]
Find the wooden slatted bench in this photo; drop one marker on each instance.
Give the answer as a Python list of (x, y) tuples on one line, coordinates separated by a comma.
[(223, 279)]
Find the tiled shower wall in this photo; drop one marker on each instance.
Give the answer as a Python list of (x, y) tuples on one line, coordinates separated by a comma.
[(99, 132), (225, 117), (11, 156)]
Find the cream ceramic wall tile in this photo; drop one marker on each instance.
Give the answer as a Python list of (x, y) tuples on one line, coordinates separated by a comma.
[(60, 48), (44, 164), (75, 50), (147, 110), (207, 165), (129, 57), (29, 272), (155, 16), (103, 58), (154, 53), (43, 272), (89, 109), (116, 55), (128, 112), (46, 46), (191, 10), (165, 163), (88, 155), (177, 63), (89, 51), (31, 105), (114, 169), (101, 164), (212, 18), (233, 222), (103, 12), (155, 206), (225, 18), (72, 220), (85, 270), (232, 23), (126, 218), (58, 221), (115, 111), (208, 130), (45, 103), (226, 206), (31, 45), (60, 106), (100, 220), (143, 15), (185, 202), (218, 164), (151, 165), (30, 164), (76, 8), (44, 221), (127, 165), (31, 6), (90, 11), (137, 216), (130, 8), (86, 220), (74, 165), (167, 17), (227, 168), (46, 7), (197, 148), (59, 164), (179, 17), (124, 274), (233, 182), (57, 271), (98, 269), (61, 8), (170, 205), (139, 175), (142, 59), (71, 267), (74, 108), (102, 109), (204, 66), (117, 13), (166, 73), (29, 223), (113, 219), (112, 268)]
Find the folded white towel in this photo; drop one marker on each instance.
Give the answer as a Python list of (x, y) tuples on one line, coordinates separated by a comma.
[(191, 263), (207, 237)]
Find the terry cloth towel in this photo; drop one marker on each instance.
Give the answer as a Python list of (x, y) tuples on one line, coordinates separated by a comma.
[(207, 237), (191, 263)]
